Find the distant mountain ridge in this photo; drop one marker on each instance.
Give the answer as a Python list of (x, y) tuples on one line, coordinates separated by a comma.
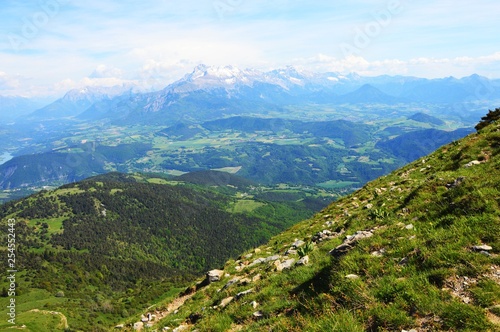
[(211, 92), (12, 108)]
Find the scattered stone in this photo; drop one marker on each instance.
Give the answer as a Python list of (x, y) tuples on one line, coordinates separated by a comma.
[(349, 242), (278, 267), (248, 256), (257, 277), (352, 276), (257, 250), (258, 315), (214, 275), (230, 283), (368, 206), (409, 227), (361, 235), (241, 294), (341, 249), (322, 236), (245, 281), (378, 253), (257, 261), (404, 261), (226, 301), (288, 263), (330, 222), (291, 252), (254, 304), (455, 183), (483, 247), (472, 163), (303, 261), (298, 243), (181, 328), (138, 326), (272, 258), (120, 326)]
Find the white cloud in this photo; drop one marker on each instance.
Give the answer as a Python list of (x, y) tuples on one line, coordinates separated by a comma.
[(420, 67), (103, 71), (8, 82), (156, 42)]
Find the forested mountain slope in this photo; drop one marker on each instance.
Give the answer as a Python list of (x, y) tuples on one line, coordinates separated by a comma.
[(103, 248)]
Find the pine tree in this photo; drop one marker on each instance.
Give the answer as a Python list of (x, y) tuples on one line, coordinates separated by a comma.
[(489, 118)]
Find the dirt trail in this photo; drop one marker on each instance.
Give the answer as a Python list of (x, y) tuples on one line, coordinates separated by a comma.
[(64, 321)]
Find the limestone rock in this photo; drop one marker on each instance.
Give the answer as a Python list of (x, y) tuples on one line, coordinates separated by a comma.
[(288, 263), (303, 261), (455, 183), (230, 283), (482, 247), (349, 242), (298, 243), (272, 258), (378, 253), (472, 163), (341, 249), (226, 301), (214, 275), (241, 294), (258, 315), (244, 281), (257, 261)]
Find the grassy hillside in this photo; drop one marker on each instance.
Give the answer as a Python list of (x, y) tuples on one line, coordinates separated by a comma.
[(107, 247), (416, 249)]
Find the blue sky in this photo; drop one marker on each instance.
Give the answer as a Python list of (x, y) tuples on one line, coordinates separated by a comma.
[(50, 46)]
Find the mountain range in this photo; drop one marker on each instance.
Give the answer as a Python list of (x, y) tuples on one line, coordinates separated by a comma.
[(212, 92)]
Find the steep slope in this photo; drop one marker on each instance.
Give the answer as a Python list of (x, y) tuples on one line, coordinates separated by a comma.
[(416, 249)]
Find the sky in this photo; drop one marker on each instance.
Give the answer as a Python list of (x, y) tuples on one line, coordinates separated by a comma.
[(48, 47)]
